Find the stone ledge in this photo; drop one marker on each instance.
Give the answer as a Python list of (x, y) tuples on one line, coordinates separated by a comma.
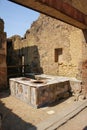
[(61, 118)]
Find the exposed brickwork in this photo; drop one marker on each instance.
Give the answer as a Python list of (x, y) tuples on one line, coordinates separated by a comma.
[(40, 42), (3, 66), (84, 78)]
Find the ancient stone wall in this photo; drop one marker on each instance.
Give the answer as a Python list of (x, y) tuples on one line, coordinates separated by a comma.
[(84, 63), (52, 47), (3, 67)]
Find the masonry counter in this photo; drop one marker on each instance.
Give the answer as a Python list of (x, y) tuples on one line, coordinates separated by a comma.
[(40, 91)]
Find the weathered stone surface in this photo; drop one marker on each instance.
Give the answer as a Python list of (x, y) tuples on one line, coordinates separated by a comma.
[(39, 44), (40, 92), (53, 47), (46, 89), (76, 88), (0, 123), (1, 25), (3, 54)]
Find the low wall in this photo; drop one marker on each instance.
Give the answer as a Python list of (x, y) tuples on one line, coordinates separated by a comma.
[(44, 89)]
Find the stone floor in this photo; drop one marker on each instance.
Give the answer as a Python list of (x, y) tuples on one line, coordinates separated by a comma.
[(18, 115), (79, 122)]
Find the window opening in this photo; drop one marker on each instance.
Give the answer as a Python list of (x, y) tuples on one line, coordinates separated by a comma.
[(58, 55)]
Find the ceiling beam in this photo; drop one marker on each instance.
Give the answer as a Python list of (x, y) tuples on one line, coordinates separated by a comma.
[(57, 9)]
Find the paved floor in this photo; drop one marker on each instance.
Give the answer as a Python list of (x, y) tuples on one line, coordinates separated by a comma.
[(79, 122), (20, 116)]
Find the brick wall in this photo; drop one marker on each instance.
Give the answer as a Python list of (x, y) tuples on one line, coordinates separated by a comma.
[(53, 47), (3, 66), (46, 36)]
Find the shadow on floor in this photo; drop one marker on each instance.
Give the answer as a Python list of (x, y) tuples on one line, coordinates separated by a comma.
[(61, 100), (11, 121), (85, 128)]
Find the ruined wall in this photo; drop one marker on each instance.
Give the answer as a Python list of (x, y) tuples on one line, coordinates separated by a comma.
[(3, 67), (52, 47), (14, 59), (84, 63)]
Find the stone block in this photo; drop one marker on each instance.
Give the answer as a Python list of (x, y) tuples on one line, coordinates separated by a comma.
[(39, 92), (76, 88)]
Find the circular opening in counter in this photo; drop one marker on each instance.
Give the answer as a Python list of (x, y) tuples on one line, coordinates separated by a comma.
[(38, 82)]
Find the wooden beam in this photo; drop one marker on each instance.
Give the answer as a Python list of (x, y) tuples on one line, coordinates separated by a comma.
[(57, 9), (66, 9)]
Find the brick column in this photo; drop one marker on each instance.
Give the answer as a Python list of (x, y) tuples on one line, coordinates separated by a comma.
[(3, 55), (84, 78)]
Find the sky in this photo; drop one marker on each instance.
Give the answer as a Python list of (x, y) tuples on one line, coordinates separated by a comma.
[(17, 19)]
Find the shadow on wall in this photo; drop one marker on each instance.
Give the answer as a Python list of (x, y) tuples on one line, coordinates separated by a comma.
[(26, 57), (11, 121), (13, 61), (85, 35), (31, 59)]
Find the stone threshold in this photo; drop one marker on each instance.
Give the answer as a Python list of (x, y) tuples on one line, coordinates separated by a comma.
[(59, 119)]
